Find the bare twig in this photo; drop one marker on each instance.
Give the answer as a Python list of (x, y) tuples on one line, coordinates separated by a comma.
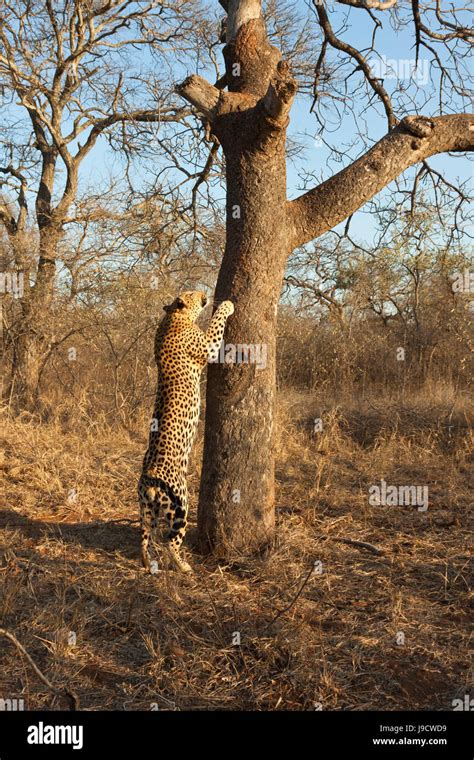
[(293, 601), (360, 545), (72, 698)]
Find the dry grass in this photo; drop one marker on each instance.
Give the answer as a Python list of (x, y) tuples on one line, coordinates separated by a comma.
[(69, 562)]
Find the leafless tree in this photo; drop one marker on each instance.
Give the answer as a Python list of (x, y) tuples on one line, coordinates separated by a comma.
[(67, 67), (250, 120)]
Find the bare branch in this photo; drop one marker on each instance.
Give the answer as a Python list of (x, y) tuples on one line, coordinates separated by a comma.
[(201, 94), (331, 38), (412, 141), (66, 694), (460, 31), (360, 544)]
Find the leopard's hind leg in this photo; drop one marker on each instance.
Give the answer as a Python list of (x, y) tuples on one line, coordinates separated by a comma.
[(176, 516), (150, 503), (146, 532)]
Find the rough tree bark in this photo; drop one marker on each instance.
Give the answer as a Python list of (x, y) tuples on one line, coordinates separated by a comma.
[(250, 122), (236, 508), (30, 342)]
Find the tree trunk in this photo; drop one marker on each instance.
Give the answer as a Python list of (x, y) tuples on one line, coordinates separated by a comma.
[(236, 509), (30, 339), (25, 369)]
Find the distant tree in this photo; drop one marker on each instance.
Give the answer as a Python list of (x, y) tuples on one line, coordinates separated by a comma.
[(63, 64)]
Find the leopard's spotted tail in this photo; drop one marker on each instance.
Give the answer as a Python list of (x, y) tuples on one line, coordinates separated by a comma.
[(154, 494)]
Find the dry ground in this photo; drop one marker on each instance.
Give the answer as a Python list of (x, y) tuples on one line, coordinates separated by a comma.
[(69, 562)]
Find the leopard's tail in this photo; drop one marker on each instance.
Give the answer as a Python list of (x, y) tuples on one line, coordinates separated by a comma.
[(179, 510), (151, 481), (176, 511)]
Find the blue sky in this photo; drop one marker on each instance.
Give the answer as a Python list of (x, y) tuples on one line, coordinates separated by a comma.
[(395, 45)]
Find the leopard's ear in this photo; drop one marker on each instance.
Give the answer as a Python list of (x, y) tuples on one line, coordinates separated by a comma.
[(180, 303), (168, 308)]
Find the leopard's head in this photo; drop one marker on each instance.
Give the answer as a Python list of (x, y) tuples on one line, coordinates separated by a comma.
[(188, 304)]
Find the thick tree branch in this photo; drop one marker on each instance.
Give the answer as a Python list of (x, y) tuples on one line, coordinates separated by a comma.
[(240, 12), (413, 140), (250, 59), (22, 202), (201, 94), (8, 219)]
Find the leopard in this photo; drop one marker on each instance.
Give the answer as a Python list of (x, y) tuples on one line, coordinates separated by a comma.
[(181, 350)]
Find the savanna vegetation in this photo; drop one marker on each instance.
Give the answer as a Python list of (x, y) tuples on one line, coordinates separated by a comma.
[(348, 604)]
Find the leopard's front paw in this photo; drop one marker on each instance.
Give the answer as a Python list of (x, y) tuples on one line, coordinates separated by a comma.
[(229, 307)]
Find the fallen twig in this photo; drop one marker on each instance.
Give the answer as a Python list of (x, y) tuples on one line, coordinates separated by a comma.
[(72, 698), (290, 605), (360, 544)]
